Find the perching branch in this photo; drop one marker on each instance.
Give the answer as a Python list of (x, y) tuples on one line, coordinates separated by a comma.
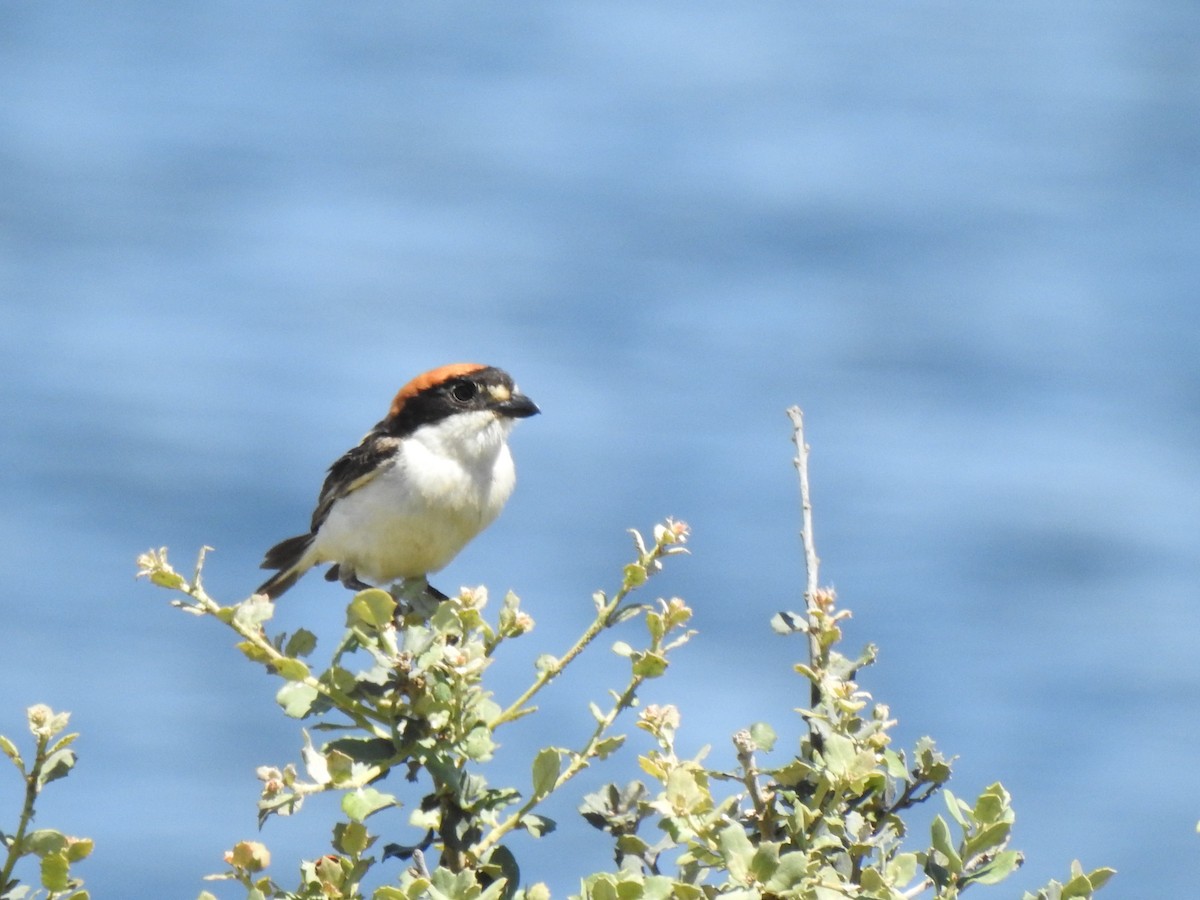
[(246, 619)]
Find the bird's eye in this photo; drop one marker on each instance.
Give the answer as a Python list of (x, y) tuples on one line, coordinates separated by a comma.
[(464, 391)]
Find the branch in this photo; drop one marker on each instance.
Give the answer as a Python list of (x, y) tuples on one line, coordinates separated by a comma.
[(579, 762), (667, 541), (154, 566), (16, 845), (811, 561)]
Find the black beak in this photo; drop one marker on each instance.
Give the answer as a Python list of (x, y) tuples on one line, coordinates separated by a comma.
[(518, 406)]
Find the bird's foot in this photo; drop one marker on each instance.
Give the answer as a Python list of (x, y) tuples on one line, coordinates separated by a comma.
[(349, 578)]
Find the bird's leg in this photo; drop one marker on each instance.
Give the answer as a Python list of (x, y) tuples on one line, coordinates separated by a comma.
[(348, 578)]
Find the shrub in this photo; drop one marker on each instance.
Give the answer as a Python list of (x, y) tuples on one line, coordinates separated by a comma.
[(405, 716)]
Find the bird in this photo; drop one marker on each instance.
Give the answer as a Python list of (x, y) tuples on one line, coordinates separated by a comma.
[(429, 477)]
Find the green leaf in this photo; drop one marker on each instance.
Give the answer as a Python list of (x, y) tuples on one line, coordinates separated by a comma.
[(373, 608), (790, 873), (901, 869), (1099, 877), (873, 883), (793, 773), (10, 750), (479, 744), (453, 885), (1079, 886), (765, 861), (660, 887), (625, 613), (296, 698), (167, 578), (649, 665), (929, 763), (351, 838), (839, 754), (291, 669), (249, 856), (866, 658), (56, 872), (993, 805), (57, 765), (503, 872), (425, 819), (993, 837), (254, 652), (605, 747), (546, 767), (301, 643), (1004, 864), (360, 803), (65, 741), (763, 735), (894, 763), (687, 790), (45, 842), (340, 679), (808, 672), (736, 851), (941, 843), (635, 576), (447, 619), (79, 848), (538, 825), (341, 767), (655, 626), (632, 845), (959, 809)]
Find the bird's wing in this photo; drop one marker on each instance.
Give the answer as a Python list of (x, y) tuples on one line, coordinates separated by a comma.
[(358, 466)]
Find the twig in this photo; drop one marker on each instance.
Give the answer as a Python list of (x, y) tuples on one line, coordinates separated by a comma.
[(668, 540), (17, 843), (811, 561), (154, 566), (579, 762), (917, 889), (517, 708), (745, 746)]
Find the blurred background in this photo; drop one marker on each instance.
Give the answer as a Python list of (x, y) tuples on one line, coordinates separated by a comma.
[(962, 237)]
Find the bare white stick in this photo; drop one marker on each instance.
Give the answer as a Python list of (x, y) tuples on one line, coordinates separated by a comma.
[(811, 561), (811, 564)]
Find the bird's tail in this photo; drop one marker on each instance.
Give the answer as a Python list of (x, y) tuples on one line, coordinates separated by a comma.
[(288, 557)]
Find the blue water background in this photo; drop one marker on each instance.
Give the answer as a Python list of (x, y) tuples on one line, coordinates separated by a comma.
[(964, 237)]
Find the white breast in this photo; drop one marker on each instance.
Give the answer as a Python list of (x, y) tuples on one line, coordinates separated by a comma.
[(446, 483)]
